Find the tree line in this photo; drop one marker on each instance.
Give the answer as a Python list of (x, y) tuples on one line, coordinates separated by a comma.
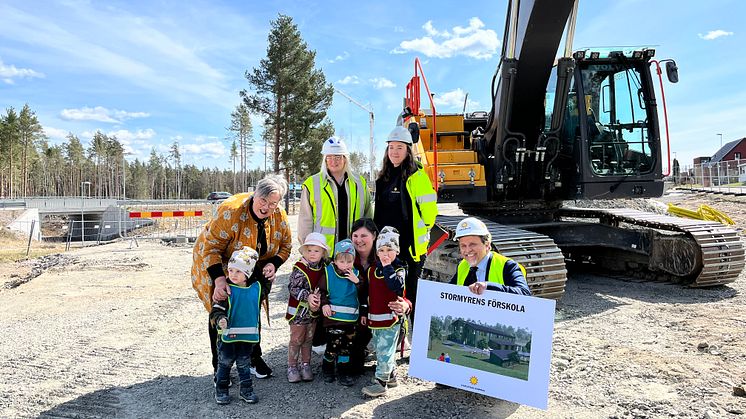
[(286, 90)]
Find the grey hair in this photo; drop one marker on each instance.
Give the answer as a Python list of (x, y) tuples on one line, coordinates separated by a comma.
[(486, 239), (271, 184)]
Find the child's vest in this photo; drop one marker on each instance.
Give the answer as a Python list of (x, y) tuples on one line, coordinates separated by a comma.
[(243, 314), (380, 315), (342, 296), (312, 277)]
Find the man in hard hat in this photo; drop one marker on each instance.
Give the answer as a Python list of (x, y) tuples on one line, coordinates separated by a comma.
[(483, 269), (333, 198)]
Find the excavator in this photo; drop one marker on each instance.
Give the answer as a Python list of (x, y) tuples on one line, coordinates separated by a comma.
[(584, 126)]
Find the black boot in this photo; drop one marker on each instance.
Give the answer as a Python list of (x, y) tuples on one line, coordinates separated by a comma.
[(327, 369)]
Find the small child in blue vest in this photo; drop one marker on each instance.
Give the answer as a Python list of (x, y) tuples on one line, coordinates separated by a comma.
[(387, 308), (339, 303), (237, 320), (304, 302)]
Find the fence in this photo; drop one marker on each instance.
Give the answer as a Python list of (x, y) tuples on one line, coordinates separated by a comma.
[(177, 220), (725, 176)]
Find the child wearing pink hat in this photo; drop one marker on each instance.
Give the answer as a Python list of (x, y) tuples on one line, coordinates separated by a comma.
[(303, 305)]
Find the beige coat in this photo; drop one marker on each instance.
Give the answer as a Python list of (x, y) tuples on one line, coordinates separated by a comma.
[(233, 228)]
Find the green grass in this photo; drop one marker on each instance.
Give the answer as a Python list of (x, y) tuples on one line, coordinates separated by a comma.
[(477, 361)]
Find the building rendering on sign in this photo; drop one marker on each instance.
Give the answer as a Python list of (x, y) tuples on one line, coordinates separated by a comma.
[(503, 348)]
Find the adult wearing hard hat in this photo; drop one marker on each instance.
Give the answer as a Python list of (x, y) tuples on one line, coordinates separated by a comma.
[(333, 198), (405, 200), (483, 269)]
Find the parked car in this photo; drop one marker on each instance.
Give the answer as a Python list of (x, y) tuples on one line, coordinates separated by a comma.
[(218, 196)]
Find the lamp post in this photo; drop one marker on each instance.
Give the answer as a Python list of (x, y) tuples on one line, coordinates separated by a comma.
[(82, 212)]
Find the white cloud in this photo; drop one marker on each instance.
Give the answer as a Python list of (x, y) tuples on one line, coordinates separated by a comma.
[(100, 114), (382, 83), (428, 27), (345, 55), (126, 137), (213, 149), (472, 41), (454, 99), (56, 133), (349, 80), (398, 29), (714, 34), (9, 72)]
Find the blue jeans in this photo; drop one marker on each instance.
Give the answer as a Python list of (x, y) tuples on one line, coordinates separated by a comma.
[(228, 353)]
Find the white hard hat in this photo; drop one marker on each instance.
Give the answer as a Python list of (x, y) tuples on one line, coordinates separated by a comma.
[(471, 226), (401, 135), (334, 146)]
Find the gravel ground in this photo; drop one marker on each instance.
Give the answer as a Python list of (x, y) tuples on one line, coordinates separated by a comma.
[(113, 331)]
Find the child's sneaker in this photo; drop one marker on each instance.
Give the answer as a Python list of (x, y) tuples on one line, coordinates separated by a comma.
[(347, 380), (293, 375), (377, 389), (247, 395), (260, 368), (329, 377), (305, 372), (222, 396)]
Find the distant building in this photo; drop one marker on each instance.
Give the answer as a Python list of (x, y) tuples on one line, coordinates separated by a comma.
[(722, 167)]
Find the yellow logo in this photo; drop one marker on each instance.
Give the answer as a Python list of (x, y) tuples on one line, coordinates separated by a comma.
[(474, 380)]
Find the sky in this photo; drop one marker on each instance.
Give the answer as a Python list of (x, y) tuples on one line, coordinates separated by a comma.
[(155, 72)]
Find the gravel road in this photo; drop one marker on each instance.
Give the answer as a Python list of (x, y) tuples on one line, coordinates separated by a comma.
[(118, 331)]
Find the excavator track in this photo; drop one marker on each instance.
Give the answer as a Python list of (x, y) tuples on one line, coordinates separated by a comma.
[(545, 265), (713, 255)]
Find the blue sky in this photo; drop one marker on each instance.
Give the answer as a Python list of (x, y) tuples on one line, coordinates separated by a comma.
[(152, 73)]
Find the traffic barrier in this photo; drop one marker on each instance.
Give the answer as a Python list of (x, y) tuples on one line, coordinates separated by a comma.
[(169, 220)]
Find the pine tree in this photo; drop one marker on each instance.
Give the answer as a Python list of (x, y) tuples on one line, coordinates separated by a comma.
[(9, 142), (31, 132), (241, 130), (290, 93)]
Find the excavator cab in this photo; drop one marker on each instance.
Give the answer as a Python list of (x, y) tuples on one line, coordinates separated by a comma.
[(620, 152)]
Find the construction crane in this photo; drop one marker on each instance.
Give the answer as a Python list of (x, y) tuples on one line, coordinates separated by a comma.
[(372, 118)]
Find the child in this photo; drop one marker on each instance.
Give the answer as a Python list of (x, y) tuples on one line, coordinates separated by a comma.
[(387, 309), (304, 304), (237, 320), (339, 299)]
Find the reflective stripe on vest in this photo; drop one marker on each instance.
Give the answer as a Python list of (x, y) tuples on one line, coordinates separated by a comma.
[(324, 207), (342, 296), (312, 279), (495, 273), (243, 314), (424, 210), (381, 317)]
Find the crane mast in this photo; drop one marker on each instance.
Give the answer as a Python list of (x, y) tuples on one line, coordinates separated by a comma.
[(371, 120)]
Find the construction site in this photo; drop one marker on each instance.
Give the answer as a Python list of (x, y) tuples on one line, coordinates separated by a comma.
[(116, 330)]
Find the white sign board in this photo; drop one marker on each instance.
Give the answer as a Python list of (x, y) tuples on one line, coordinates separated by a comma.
[(496, 344)]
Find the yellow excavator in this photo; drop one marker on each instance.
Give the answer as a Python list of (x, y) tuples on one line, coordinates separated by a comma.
[(582, 126)]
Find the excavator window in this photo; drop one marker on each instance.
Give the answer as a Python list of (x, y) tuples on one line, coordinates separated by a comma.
[(616, 122)]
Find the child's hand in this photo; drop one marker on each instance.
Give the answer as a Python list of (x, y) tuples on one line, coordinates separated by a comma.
[(385, 260), (327, 310), (352, 277), (314, 300), (363, 320), (223, 323)]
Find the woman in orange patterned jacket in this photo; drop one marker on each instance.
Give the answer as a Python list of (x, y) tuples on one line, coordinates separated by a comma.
[(254, 220)]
